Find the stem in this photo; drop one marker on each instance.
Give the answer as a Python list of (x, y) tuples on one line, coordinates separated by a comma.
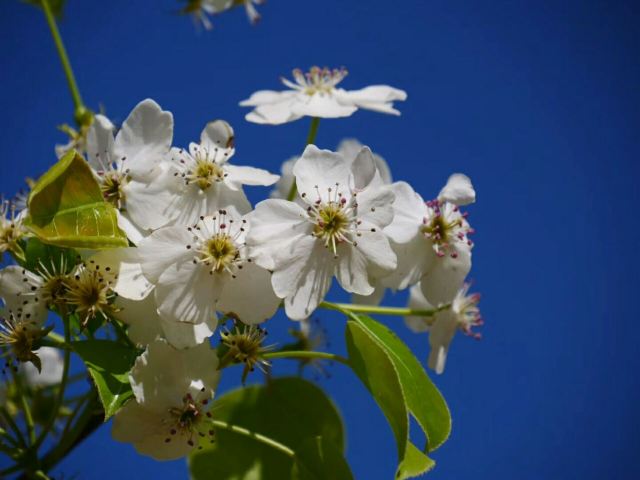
[(256, 436), (7, 416), (311, 138), (122, 334), (61, 389), (88, 421), (306, 354), (352, 308), (28, 418), (64, 59)]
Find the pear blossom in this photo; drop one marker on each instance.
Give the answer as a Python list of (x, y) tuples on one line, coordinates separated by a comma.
[(51, 372), (135, 303), (201, 9), (349, 148), (315, 94), (202, 180), (462, 316), (173, 390), (129, 166), (431, 240), (198, 270), (25, 294), (338, 234), (12, 228)]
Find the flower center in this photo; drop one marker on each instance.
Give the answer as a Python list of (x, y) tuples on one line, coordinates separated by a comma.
[(205, 173), (11, 229), (220, 252), (444, 226), (111, 187), (185, 420), (334, 221), (54, 290), (245, 346), (316, 80), (89, 291), (21, 336)]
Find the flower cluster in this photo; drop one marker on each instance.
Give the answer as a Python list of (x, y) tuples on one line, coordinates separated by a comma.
[(200, 251)]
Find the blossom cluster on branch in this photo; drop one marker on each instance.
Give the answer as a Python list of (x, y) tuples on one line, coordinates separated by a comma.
[(199, 252)]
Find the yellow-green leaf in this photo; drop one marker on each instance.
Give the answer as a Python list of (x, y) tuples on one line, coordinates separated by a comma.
[(66, 208)]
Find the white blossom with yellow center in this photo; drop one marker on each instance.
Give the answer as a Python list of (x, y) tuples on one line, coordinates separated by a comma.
[(339, 233), (316, 94), (173, 389), (205, 268), (129, 166), (202, 180)]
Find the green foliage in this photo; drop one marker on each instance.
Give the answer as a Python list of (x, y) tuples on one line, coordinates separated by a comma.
[(108, 363), (57, 6), (39, 255), (287, 410), (318, 459), (401, 387), (67, 209)]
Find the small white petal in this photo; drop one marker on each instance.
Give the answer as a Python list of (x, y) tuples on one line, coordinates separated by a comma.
[(409, 211), (239, 176), (163, 248), (318, 171), (321, 106), (187, 293), (250, 295), (145, 137), (446, 276), (217, 134), (458, 190)]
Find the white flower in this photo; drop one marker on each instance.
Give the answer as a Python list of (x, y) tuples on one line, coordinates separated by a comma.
[(11, 228), (203, 182), (339, 233), (128, 167), (201, 8), (173, 390), (52, 368), (349, 148), (463, 315), (431, 241), (24, 294), (315, 94), (198, 270)]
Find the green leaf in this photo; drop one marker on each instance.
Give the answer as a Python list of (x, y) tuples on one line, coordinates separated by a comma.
[(39, 255), (66, 208), (424, 400), (56, 6), (318, 459), (108, 364), (287, 410), (374, 366)]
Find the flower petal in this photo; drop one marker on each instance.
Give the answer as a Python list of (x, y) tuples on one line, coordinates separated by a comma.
[(217, 134), (266, 97), (162, 248), (409, 211), (275, 228), (188, 293), (250, 295), (321, 106), (458, 190), (318, 171), (306, 279), (145, 137), (446, 276), (238, 176), (100, 143)]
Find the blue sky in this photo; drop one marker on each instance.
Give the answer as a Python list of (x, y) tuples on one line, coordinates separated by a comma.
[(538, 102)]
